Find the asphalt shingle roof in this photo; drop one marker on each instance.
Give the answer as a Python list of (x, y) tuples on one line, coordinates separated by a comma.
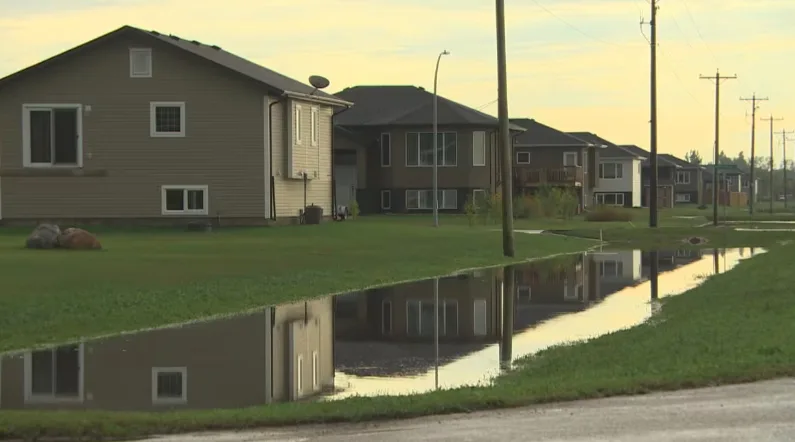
[(611, 150), (539, 134)]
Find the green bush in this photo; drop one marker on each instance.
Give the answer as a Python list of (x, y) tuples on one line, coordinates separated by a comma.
[(609, 214), (354, 209), (555, 202)]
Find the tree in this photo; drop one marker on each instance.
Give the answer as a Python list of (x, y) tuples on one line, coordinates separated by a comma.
[(693, 157)]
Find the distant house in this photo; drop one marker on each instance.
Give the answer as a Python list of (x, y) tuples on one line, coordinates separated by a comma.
[(383, 151), (545, 156), (619, 173), (666, 176), (688, 181), (137, 126), (731, 179)]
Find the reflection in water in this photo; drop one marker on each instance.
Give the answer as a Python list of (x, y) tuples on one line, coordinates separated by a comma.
[(440, 333)]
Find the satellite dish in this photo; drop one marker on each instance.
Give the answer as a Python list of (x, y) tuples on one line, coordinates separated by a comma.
[(318, 82)]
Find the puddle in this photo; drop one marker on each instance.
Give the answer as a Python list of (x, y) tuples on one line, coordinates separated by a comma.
[(382, 341)]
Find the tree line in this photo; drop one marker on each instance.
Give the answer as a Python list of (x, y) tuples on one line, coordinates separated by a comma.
[(761, 170)]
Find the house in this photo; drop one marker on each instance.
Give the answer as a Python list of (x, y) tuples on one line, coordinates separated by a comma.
[(731, 181), (383, 151), (619, 176), (618, 269), (277, 354), (141, 127), (666, 176), (687, 181), (545, 156)]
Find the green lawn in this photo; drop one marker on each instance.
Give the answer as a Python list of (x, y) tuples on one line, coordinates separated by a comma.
[(737, 326), (147, 278)]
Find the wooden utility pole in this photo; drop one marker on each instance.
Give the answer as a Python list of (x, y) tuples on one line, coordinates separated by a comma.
[(752, 184), (717, 78), (653, 118), (505, 135), (771, 120), (784, 134)]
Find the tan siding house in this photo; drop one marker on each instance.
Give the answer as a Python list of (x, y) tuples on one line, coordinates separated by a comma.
[(137, 126)]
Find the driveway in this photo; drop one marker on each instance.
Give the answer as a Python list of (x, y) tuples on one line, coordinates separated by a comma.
[(758, 412)]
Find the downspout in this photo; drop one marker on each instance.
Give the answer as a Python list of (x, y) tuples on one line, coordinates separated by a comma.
[(270, 153), (333, 178)]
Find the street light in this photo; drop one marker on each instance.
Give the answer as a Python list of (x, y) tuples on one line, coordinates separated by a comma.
[(436, 144)]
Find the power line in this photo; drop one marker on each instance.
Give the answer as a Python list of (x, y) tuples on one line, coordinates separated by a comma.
[(771, 120), (567, 23), (751, 187), (718, 81)]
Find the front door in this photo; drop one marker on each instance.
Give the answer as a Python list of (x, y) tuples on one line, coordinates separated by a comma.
[(345, 177)]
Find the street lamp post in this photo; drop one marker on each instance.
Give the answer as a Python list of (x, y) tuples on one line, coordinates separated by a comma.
[(436, 143)]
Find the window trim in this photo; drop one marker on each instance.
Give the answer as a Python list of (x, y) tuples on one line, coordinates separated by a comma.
[(185, 188), (602, 195), (684, 200), (26, 147), (523, 153), (522, 288), (616, 165), (314, 121), (299, 375), (478, 162), (383, 315), (297, 127), (576, 159), (442, 304), (388, 162), (419, 149), (618, 266), (153, 133), (685, 173), (441, 205), (315, 371), (388, 206), (31, 398), (133, 52), (183, 371)]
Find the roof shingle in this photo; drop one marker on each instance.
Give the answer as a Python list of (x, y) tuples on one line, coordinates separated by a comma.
[(539, 135)]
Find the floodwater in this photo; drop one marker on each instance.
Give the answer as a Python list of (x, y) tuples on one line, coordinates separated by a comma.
[(393, 340)]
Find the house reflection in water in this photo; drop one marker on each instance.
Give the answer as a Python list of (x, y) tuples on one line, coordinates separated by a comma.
[(277, 354)]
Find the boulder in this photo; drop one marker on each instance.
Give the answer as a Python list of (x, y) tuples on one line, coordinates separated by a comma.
[(44, 236), (78, 239)]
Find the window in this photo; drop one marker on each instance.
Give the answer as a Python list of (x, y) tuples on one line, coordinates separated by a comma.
[(481, 316), (479, 198), (184, 200), (140, 63), (299, 375), (611, 171), (609, 199), (315, 129), (684, 253), (420, 318), (386, 199), (167, 119), (315, 372), (423, 199), (298, 126), (419, 149), (54, 374), (478, 148), (386, 318), (611, 268), (570, 158), (571, 293), (523, 292), (170, 385), (682, 197), (682, 177), (522, 157), (52, 135), (386, 150)]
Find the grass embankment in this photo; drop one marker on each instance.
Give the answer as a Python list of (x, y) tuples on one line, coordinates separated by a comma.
[(736, 327), (153, 277)]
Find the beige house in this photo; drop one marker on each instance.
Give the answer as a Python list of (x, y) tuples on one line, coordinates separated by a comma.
[(283, 353), (138, 126)]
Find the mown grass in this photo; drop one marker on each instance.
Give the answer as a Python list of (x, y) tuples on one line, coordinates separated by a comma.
[(147, 278), (736, 327)]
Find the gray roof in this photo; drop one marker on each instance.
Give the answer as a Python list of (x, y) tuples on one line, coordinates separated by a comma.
[(611, 150), (637, 150), (541, 135), (678, 161), (406, 106), (212, 53)]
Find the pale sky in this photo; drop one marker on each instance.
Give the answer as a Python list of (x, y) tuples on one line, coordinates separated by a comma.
[(577, 65)]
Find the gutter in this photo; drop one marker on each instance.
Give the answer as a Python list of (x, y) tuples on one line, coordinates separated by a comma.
[(316, 98)]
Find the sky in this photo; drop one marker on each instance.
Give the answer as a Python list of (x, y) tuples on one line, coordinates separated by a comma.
[(576, 65)]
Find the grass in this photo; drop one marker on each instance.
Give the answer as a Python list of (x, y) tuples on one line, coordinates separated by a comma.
[(662, 237), (147, 278), (736, 327)]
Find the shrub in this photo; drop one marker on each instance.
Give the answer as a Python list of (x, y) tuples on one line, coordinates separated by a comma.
[(609, 214), (526, 206), (354, 209), (554, 202), (471, 210)]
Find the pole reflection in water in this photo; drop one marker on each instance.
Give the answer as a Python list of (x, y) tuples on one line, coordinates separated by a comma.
[(436, 331), (716, 260), (654, 274), (508, 296)]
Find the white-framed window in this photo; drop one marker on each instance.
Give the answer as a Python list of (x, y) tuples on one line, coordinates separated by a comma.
[(479, 148), (315, 123), (419, 149), (386, 318), (523, 292), (682, 177), (479, 197), (52, 135), (386, 199), (570, 158), (611, 171), (420, 318), (298, 126), (140, 62), (423, 199), (522, 157), (480, 323), (315, 372), (386, 150), (169, 385), (684, 253), (184, 200), (609, 199), (299, 375), (167, 119), (55, 374), (682, 197), (611, 268), (571, 293)]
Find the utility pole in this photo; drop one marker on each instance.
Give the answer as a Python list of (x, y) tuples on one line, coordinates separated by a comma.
[(784, 134), (653, 117), (505, 135), (717, 78), (752, 184), (771, 120)]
